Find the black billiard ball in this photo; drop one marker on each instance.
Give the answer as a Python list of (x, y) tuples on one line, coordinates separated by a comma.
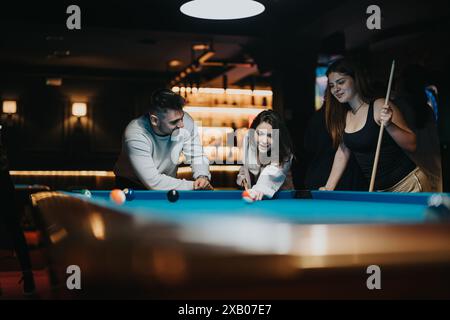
[(129, 194), (438, 208), (172, 195)]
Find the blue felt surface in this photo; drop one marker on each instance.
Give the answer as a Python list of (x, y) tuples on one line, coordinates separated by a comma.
[(326, 207)]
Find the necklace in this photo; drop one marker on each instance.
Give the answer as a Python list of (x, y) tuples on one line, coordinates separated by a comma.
[(356, 110)]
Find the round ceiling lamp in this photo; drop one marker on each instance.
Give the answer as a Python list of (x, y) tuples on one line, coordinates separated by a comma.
[(222, 9)]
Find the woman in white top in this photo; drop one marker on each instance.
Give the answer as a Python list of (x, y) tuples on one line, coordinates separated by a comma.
[(267, 157)]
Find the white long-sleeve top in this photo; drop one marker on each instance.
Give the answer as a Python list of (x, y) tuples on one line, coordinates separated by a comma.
[(153, 160), (269, 178)]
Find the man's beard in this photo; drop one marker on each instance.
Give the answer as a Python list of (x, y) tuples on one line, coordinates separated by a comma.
[(165, 131)]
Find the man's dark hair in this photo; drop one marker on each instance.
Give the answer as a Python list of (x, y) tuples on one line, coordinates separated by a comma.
[(165, 99)]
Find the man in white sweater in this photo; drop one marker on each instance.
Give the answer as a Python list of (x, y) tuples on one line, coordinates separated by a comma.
[(152, 145)]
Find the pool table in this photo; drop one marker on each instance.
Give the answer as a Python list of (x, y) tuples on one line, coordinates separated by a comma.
[(211, 244), (304, 207)]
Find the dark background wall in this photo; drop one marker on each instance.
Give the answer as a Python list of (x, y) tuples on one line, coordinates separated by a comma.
[(43, 135)]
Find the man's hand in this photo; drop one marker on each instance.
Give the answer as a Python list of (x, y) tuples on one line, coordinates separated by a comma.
[(202, 183)]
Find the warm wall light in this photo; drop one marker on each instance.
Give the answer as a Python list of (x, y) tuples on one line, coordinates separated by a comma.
[(54, 82), (79, 109), (222, 9), (9, 107)]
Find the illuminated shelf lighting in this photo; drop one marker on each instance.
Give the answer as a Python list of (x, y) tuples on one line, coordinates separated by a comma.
[(63, 173), (222, 130), (214, 168), (247, 92), (226, 110)]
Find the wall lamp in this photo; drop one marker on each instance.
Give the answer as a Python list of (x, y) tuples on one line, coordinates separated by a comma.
[(79, 109), (9, 107)]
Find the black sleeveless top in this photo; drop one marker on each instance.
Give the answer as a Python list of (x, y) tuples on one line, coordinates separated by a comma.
[(393, 163)]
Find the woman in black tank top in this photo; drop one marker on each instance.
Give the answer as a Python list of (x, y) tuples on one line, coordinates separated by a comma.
[(353, 119)]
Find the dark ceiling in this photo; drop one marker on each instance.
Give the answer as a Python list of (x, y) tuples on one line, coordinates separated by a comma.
[(129, 35), (142, 36)]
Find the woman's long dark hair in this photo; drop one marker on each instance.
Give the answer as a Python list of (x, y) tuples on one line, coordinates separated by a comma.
[(335, 112), (286, 149)]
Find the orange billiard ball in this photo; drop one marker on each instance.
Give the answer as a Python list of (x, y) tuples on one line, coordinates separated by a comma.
[(247, 197), (117, 196)]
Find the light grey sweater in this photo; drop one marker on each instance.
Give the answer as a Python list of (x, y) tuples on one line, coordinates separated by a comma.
[(153, 160)]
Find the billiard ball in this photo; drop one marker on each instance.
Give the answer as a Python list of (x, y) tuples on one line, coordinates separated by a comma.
[(438, 208), (247, 197), (172, 195), (117, 196), (84, 192), (129, 194)]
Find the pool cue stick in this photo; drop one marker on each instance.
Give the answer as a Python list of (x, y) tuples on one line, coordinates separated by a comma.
[(244, 182), (380, 135)]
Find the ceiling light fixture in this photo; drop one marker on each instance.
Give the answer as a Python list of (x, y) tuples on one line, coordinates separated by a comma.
[(201, 47), (222, 9), (193, 67)]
